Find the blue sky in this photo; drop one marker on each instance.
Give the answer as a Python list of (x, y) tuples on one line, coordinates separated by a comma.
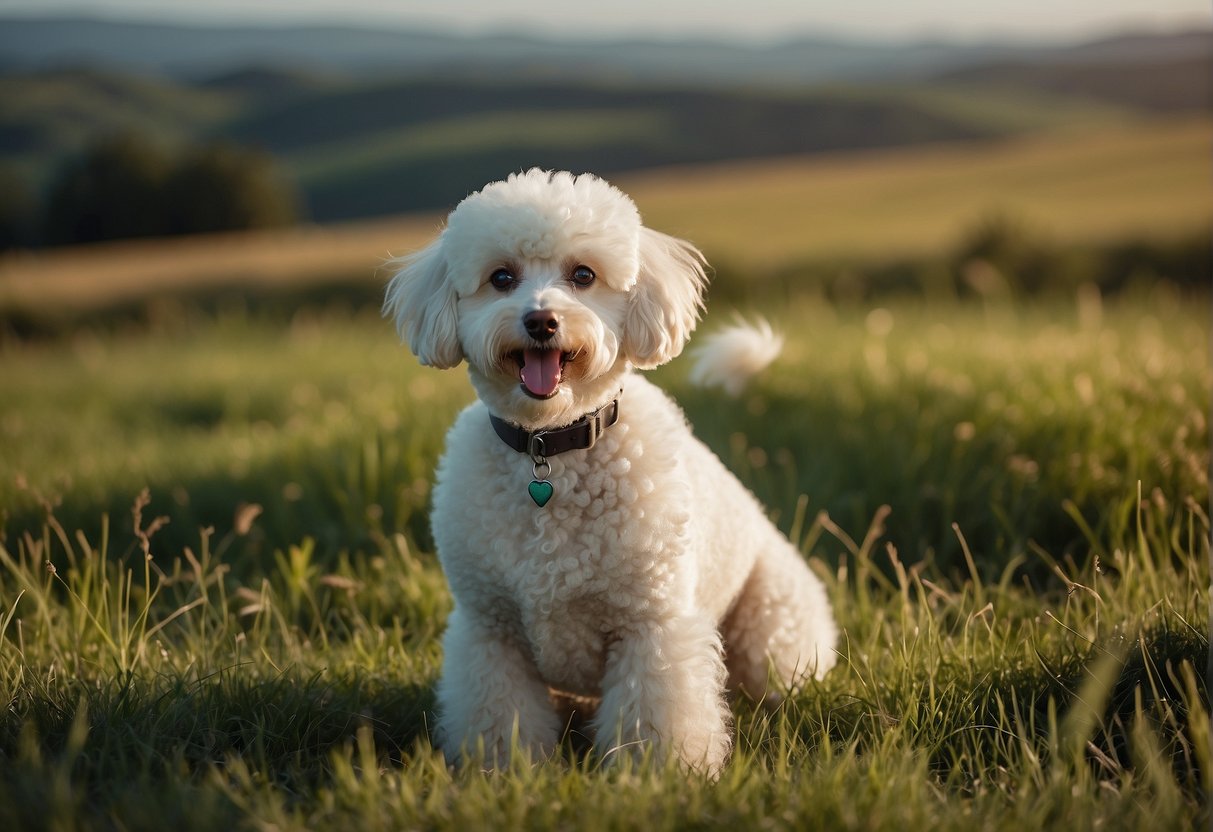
[(749, 19)]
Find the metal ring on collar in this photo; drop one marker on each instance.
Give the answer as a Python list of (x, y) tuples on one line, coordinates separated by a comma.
[(537, 449)]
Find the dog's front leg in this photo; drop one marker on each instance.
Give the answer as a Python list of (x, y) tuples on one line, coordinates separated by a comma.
[(664, 689), (491, 694)]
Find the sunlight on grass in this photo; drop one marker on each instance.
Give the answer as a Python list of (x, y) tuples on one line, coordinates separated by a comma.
[(1151, 179), (1007, 503)]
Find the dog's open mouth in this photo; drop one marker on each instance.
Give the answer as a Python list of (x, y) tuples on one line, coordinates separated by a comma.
[(541, 371)]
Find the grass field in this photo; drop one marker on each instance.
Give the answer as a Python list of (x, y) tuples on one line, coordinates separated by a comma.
[(1007, 498), (1025, 639)]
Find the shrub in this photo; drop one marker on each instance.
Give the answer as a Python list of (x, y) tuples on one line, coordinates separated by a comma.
[(126, 186), (113, 190), (223, 188), (18, 210)]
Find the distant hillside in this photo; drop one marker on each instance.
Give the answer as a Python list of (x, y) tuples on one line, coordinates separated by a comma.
[(803, 218), (196, 51), (392, 147), (361, 147), (1162, 74), (1137, 48), (199, 51), (53, 112), (372, 122)]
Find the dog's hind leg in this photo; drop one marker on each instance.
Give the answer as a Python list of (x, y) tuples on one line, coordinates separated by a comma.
[(781, 623), (491, 695)]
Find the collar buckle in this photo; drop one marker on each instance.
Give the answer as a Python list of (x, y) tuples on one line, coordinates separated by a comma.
[(593, 427)]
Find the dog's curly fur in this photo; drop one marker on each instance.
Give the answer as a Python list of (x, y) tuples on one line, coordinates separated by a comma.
[(653, 579)]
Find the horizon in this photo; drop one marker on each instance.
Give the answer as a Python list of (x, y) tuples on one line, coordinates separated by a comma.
[(765, 23)]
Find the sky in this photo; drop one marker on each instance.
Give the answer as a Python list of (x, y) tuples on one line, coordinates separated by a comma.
[(760, 20)]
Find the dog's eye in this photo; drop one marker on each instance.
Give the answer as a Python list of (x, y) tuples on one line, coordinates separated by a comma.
[(582, 276), (502, 279)]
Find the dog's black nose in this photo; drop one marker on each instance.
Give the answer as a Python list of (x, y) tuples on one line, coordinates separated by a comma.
[(541, 324)]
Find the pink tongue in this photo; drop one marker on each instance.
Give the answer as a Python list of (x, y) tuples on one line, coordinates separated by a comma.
[(541, 371)]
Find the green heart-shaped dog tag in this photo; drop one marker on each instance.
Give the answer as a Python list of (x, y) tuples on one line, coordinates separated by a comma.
[(541, 491)]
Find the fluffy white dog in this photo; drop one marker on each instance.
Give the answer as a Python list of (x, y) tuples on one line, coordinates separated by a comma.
[(593, 546)]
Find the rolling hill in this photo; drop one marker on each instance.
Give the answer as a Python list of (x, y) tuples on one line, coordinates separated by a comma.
[(362, 147), (752, 218), (1168, 84), (382, 122), (199, 50), (195, 51)]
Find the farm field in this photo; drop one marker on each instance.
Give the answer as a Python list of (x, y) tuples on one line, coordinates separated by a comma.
[(1143, 181), (1006, 495), (1078, 185)]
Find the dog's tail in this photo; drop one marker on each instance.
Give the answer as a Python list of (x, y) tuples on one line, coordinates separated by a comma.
[(730, 357)]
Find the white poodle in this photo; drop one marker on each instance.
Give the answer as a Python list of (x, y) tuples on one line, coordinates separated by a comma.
[(593, 546)]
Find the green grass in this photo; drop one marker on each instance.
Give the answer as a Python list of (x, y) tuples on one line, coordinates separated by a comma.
[(52, 115), (646, 129), (479, 133), (1025, 632), (1002, 108)]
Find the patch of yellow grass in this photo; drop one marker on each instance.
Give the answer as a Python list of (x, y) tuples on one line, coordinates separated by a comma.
[(1148, 179), (84, 277)]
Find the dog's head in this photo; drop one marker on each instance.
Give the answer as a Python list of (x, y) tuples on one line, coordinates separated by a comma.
[(550, 288)]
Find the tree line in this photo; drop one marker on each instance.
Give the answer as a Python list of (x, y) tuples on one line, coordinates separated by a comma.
[(126, 186)]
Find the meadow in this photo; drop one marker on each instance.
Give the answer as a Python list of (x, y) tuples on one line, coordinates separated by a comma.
[(1006, 494), (1144, 180)]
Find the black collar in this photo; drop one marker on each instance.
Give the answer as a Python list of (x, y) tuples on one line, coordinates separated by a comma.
[(580, 435)]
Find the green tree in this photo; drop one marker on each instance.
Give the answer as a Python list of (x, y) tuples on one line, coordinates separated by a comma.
[(18, 210), (223, 187), (113, 190), (126, 186)]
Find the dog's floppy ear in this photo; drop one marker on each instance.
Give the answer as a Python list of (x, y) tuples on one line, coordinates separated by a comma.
[(422, 301), (664, 305)]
